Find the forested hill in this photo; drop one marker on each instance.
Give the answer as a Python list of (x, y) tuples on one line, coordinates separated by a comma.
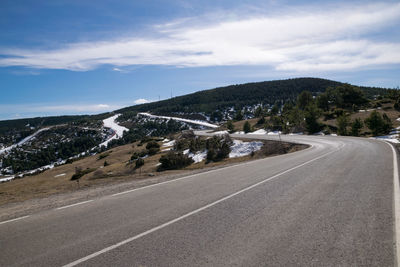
[(240, 95)]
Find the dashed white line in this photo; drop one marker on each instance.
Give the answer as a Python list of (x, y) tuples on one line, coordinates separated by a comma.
[(95, 254), (76, 204), (16, 219)]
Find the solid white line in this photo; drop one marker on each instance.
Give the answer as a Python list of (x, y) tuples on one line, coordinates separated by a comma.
[(76, 204), (93, 255), (196, 174), (396, 199), (16, 219)]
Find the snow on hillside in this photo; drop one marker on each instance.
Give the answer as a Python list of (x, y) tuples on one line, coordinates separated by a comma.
[(26, 139), (198, 122), (240, 148), (113, 125)]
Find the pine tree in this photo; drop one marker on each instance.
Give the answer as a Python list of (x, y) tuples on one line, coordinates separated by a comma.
[(356, 127), (246, 127)]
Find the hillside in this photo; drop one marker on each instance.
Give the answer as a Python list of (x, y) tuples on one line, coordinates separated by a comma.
[(241, 95), (29, 144)]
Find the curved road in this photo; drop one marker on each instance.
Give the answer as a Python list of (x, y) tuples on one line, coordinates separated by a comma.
[(331, 204)]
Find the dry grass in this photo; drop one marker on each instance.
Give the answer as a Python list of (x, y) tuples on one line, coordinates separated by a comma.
[(50, 182)]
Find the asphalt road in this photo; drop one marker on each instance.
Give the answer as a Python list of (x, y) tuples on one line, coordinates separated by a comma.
[(329, 205)]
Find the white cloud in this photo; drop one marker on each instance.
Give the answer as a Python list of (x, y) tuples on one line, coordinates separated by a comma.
[(58, 109), (300, 40), (141, 101)]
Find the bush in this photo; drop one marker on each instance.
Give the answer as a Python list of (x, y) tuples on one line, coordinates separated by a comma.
[(218, 147), (79, 173), (246, 127), (152, 144), (153, 150), (134, 156), (139, 163), (378, 124), (173, 161), (103, 155), (106, 163), (230, 126)]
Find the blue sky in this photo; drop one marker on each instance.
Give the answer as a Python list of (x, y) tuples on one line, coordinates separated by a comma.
[(85, 57)]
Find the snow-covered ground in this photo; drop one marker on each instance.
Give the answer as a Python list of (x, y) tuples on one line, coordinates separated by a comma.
[(197, 157), (113, 125), (168, 143), (261, 131), (240, 148), (198, 122), (392, 138), (6, 179), (26, 139)]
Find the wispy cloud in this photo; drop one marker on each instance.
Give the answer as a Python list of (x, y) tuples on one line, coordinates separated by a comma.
[(141, 101), (310, 39)]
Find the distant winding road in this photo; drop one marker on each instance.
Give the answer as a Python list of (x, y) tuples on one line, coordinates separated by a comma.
[(331, 204)]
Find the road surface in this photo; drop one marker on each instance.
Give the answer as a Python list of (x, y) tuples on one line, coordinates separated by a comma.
[(331, 204)]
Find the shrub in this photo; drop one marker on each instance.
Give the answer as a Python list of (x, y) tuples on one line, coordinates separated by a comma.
[(378, 124), (152, 144), (139, 163), (356, 127), (230, 126), (173, 161), (106, 163), (134, 156), (246, 127), (218, 147), (103, 155), (153, 150), (79, 173)]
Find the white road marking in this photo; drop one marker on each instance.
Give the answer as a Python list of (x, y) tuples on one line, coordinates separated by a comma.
[(76, 204), (95, 254), (16, 219), (197, 174), (396, 199)]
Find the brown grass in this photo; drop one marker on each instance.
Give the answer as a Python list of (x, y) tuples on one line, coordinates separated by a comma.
[(120, 170)]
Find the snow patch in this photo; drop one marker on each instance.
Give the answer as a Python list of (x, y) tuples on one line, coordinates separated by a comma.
[(240, 148), (168, 144), (6, 179), (392, 138), (59, 175), (198, 122), (113, 125), (260, 131), (198, 156)]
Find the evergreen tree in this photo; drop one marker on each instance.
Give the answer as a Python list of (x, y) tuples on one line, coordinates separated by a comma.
[(239, 115), (323, 102), (312, 114), (342, 123), (304, 100), (230, 126), (356, 127), (258, 112), (246, 127), (377, 124)]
